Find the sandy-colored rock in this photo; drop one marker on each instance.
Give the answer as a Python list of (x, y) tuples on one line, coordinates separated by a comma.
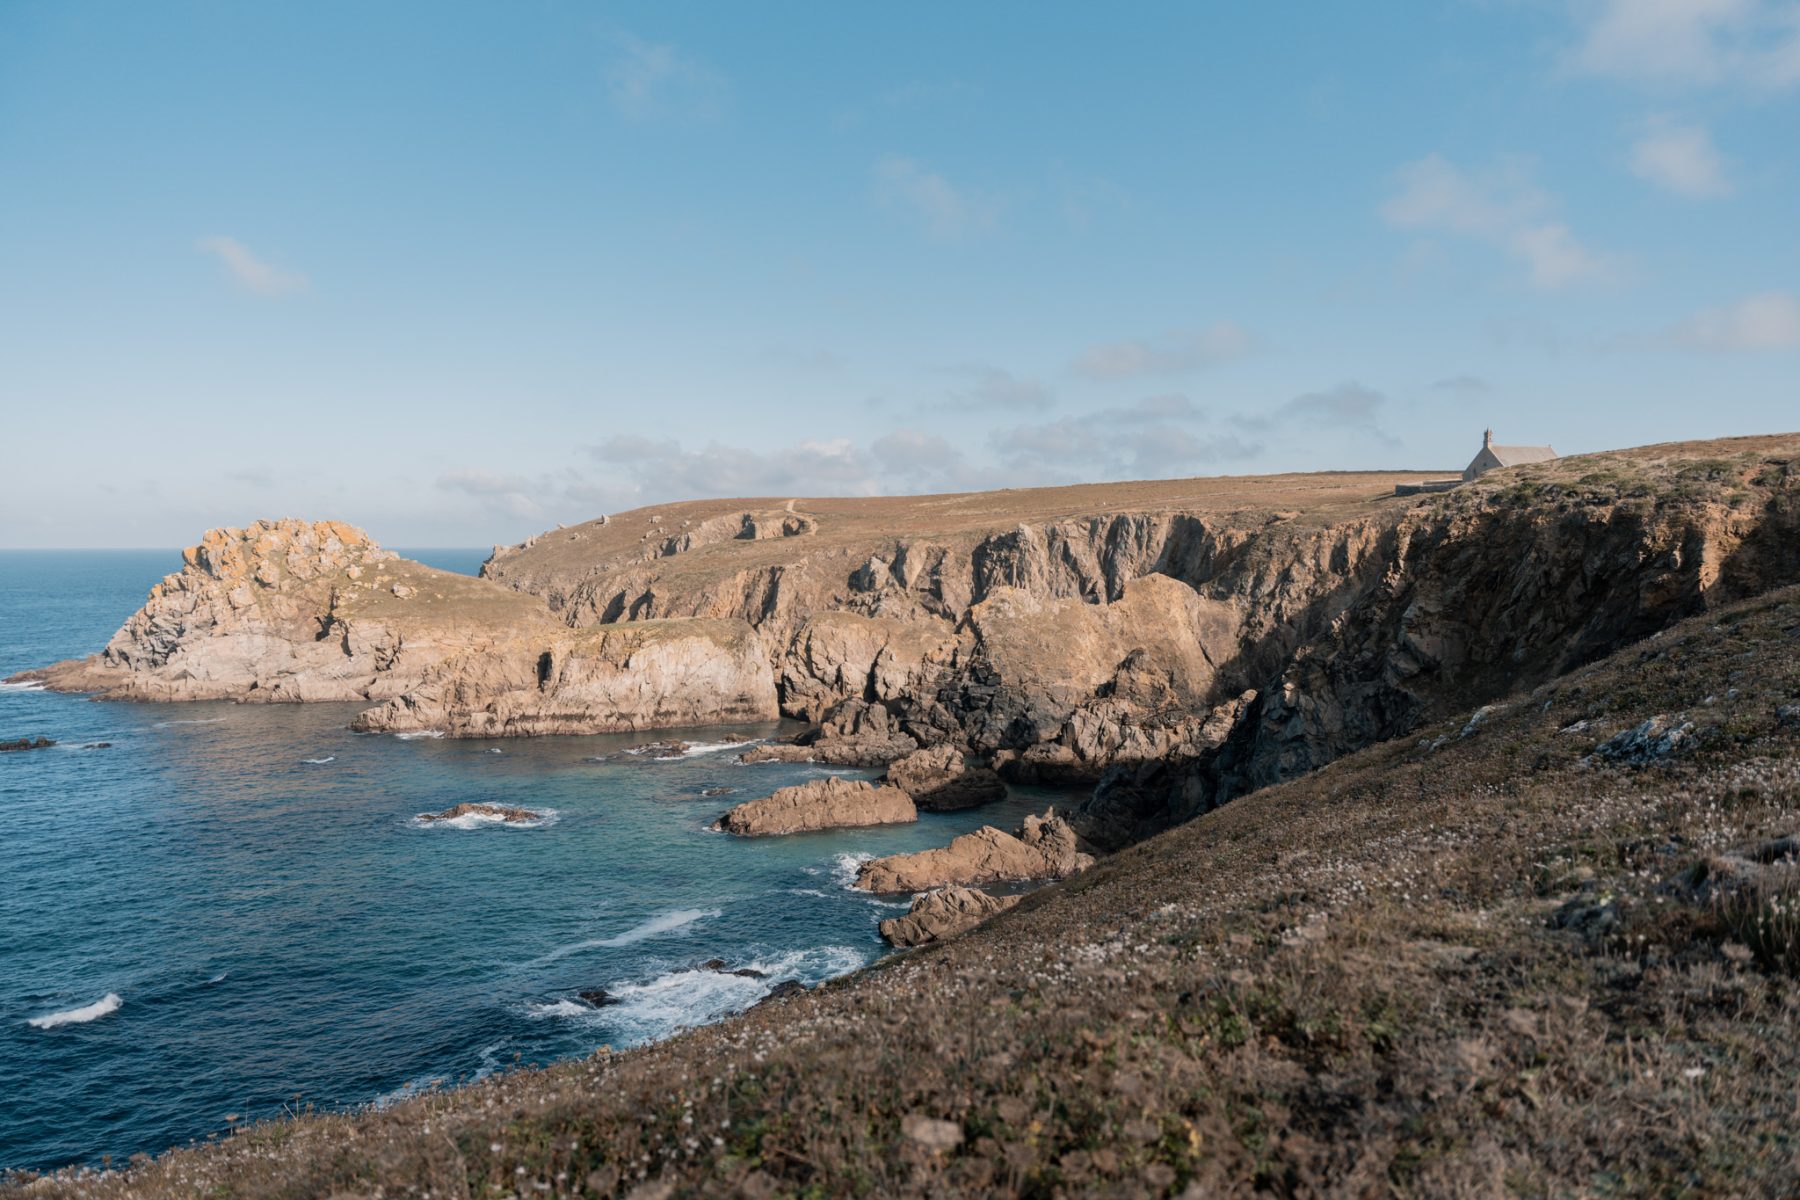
[(940, 779), (613, 679), (820, 804), (943, 913), (1045, 847)]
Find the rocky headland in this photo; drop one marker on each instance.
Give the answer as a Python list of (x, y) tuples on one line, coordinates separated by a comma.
[(1167, 646)]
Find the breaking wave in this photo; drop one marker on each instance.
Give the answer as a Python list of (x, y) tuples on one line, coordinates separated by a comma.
[(413, 735), (108, 1003), (677, 1000), (319, 762), (30, 685), (545, 818), (656, 926)]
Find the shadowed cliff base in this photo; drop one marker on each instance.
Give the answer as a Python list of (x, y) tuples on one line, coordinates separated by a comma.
[(1545, 948)]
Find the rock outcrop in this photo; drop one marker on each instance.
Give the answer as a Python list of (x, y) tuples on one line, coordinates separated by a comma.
[(1171, 645), (831, 803), (614, 679), (17, 744), (489, 812), (940, 779), (943, 913), (290, 610), (1045, 847)]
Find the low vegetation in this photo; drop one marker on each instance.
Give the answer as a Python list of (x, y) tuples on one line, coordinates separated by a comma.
[(1484, 959)]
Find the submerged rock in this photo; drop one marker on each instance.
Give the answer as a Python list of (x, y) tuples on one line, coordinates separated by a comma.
[(820, 804), (42, 743), (500, 812), (660, 750), (598, 997), (940, 779), (943, 913), (1045, 847)]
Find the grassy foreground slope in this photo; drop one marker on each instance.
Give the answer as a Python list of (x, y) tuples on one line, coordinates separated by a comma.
[(1484, 959)]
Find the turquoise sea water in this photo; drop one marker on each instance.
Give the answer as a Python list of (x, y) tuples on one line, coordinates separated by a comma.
[(232, 908)]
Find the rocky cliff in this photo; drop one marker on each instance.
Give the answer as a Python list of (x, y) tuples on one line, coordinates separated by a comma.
[(1172, 644), (1180, 643), (297, 611)]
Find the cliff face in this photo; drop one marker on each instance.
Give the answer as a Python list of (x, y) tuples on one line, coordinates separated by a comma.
[(1173, 643), (293, 611), (1180, 644)]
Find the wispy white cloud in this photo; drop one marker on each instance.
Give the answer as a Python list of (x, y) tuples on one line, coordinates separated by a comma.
[(648, 79), (1679, 158), (509, 495), (1349, 407), (1159, 437), (986, 386), (943, 209), (249, 272), (1701, 42), (1176, 352), (1766, 321), (1501, 205)]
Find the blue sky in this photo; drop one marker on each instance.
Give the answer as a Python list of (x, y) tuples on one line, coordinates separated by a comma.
[(457, 273)]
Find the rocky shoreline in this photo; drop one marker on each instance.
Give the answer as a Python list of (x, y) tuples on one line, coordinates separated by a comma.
[(1168, 646)]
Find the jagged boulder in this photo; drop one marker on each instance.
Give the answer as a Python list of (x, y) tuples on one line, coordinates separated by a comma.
[(940, 779), (832, 803), (943, 913), (1045, 847)]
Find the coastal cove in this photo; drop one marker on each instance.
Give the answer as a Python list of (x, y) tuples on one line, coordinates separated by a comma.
[(251, 884)]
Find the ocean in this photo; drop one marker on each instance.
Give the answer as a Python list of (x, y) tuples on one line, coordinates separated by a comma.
[(231, 911)]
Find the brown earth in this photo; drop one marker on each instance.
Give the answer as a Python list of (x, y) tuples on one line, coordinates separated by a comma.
[(1484, 959)]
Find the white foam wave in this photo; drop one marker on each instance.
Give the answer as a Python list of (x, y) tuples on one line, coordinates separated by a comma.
[(413, 735), (30, 685), (662, 923), (695, 749), (813, 892), (843, 868), (108, 1003), (545, 818), (189, 721), (562, 1008), (655, 1009), (319, 762)]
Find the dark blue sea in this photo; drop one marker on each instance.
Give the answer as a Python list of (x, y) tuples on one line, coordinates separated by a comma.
[(231, 910)]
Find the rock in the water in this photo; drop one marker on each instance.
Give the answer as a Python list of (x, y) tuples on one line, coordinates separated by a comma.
[(939, 779), (943, 913), (820, 804), (598, 997), (42, 743), (98, 746), (1044, 847), (659, 750), (720, 790), (498, 812)]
